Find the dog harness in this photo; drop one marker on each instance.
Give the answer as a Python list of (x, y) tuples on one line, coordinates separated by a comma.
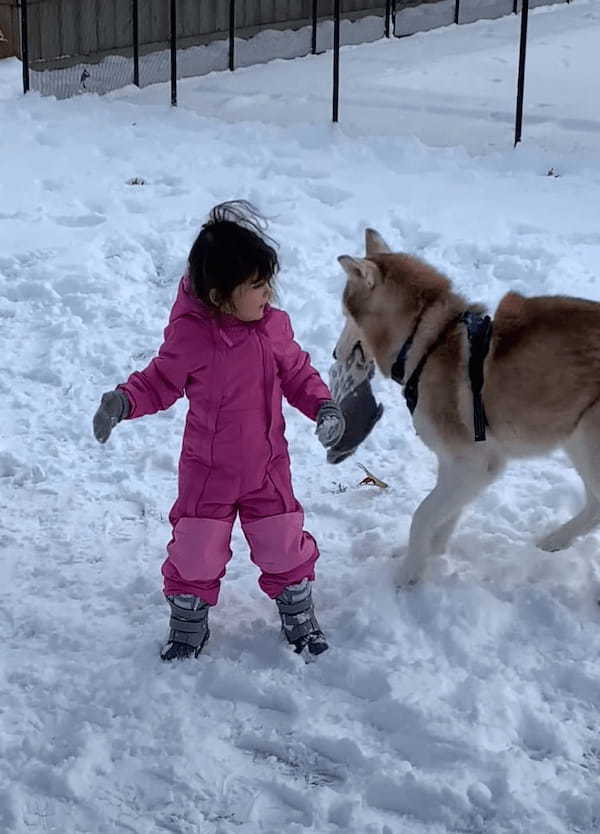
[(479, 332)]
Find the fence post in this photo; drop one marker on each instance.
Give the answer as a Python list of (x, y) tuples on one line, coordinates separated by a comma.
[(232, 35), (394, 18), (173, 25), (135, 22), (456, 11), (25, 46), (336, 60), (315, 15), (388, 14), (515, 6), (521, 78)]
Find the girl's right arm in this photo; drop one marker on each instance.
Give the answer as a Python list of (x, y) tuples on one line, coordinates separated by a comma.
[(163, 381)]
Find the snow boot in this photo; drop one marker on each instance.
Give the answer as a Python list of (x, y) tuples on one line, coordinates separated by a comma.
[(188, 627), (298, 619)]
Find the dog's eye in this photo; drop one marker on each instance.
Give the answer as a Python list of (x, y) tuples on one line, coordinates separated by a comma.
[(334, 354)]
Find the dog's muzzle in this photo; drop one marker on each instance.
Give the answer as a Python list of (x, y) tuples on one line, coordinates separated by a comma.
[(350, 384)]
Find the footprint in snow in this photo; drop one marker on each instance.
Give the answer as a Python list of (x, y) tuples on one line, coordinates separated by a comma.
[(80, 221)]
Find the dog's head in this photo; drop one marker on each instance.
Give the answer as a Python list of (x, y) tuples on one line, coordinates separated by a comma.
[(362, 294), (385, 292), (358, 298)]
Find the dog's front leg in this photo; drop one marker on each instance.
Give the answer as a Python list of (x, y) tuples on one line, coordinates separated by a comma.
[(460, 480), (439, 542)]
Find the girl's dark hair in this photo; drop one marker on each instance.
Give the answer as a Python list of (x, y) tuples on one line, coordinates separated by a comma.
[(231, 248)]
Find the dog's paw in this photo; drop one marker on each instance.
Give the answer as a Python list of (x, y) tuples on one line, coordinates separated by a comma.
[(407, 577), (554, 541), (412, 584)]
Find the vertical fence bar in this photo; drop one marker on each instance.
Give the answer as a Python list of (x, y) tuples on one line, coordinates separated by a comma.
[(394, 18), (315, 18), (521, 79), (336, 60), (135, 25), (456, 11), (25, 46), (173, 25), (232, 35), (515, 6), (388, 14)]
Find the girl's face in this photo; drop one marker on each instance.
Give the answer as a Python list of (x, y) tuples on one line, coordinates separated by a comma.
[(249, 299)]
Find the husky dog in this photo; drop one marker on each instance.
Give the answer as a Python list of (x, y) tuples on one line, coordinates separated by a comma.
[(480, 391)]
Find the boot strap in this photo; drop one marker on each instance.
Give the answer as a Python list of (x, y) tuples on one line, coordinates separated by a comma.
[(189, 624)]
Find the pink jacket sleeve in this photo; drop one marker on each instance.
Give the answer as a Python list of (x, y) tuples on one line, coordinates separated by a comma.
[(163, 381), (300, 382)]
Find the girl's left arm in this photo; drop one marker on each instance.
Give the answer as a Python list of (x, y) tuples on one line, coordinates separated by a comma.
[(300, 382)]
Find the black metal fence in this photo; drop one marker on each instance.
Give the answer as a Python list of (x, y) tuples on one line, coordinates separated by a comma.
[(70, 47)]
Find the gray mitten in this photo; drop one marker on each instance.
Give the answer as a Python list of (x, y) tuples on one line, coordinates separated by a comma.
[(350, 383), (114, 407), (330, 424)]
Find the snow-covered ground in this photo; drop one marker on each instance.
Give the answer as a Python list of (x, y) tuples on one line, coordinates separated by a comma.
[(469, 704)]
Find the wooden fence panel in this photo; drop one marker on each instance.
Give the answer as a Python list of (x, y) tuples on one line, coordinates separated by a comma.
[(48, 30), (88, 27), (92, 28), (10, 30), (69, 41), (123, 23), (34, 24), (85, 27), (154, 22)]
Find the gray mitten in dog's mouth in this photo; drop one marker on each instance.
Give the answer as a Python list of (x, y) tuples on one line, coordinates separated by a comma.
[(350, 383)]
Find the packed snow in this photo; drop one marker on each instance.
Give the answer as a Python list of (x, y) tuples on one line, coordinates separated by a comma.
[(468, 704)]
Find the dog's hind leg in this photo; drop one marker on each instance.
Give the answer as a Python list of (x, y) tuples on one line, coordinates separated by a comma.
[(583, 447), (459, 482), (579, 525)]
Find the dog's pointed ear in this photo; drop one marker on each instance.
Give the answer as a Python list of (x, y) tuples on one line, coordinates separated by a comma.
[(361, 268), (349, 265), (375, 244)]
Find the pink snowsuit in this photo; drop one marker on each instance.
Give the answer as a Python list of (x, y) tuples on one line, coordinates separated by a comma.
[(234, 456)]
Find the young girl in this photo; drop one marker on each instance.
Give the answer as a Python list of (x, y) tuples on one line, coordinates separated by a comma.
[(233, 356)]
